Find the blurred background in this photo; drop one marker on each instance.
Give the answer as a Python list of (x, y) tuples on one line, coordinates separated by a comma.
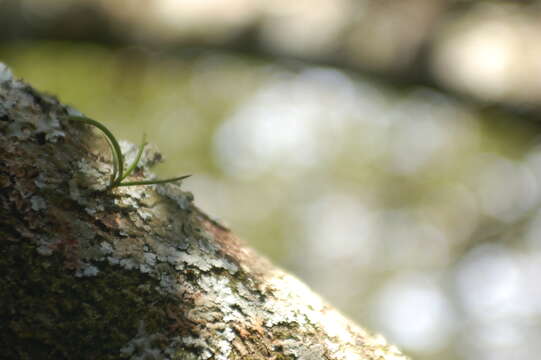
[(386, 152)]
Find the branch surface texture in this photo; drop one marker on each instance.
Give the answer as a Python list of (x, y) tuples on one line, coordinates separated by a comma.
[(135, 272)]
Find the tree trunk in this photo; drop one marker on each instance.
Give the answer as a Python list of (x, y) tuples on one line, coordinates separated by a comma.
[(138, 272)]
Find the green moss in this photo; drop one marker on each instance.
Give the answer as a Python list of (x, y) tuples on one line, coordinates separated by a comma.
[(47, 313)]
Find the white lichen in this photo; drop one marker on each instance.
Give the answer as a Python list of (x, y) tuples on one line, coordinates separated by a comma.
[(73, 112), (144, 214), (144, 268), (106, 248), (150, 258), (129, 264), (50, 126), (19, 105), (95, 208), (44, 250), (172, 191), (41, 181), (292, 302), (126, 202), (45, 245), (129, 151), (302, 351), (113, 260), (5, 73), (223, 347), (91, 177), (87, 270), (143, 346), (197, 343), (180, 259), (38, 203), (75, 193)]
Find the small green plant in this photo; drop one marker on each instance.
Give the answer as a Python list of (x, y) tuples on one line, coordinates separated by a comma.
[(119, 174)]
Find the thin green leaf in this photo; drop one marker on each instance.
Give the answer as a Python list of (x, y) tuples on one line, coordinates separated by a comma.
[(153, 182), (118, 159), (133, 166)]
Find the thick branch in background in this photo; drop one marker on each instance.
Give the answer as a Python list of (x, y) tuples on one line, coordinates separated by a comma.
[(135, 272)]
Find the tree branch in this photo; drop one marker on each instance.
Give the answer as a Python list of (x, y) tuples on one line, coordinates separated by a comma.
[(138, 272)]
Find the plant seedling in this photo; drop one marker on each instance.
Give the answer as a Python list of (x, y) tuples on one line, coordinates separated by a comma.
[(118, 175)]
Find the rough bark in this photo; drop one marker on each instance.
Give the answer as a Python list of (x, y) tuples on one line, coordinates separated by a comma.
[(135, 272)]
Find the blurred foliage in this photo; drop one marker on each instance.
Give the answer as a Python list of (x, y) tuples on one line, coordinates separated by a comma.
[(411, 209)]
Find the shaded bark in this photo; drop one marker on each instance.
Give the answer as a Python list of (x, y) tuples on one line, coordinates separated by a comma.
[(135, 272)]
